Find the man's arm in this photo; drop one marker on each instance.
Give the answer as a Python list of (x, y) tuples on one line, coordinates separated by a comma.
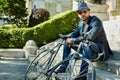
[(94, 31)]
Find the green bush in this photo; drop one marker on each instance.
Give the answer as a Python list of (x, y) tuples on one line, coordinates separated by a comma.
[(4, 38), (43, 33)]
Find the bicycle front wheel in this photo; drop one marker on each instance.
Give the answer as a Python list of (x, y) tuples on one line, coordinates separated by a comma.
[(37, 69), (73, 70)]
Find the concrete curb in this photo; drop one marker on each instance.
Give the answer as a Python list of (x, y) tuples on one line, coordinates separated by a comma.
[(12, 53)]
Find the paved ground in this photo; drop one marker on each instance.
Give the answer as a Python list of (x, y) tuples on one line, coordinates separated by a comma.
[(12, 69)]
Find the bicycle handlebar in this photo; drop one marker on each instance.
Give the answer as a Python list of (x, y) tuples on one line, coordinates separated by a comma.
[(83, 34), (64, 37)]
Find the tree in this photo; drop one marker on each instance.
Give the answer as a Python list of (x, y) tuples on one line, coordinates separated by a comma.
[(38, 16), (15, 10)]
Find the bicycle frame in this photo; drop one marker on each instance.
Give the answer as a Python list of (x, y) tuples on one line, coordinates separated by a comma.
[(52, 57)]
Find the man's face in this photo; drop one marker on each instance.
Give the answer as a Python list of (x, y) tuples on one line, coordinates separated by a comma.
[(84, 14)]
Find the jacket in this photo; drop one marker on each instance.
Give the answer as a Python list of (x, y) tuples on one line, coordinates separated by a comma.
[(96, 34)]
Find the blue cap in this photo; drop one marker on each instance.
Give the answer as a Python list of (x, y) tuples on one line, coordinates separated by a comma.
[(82, 6)]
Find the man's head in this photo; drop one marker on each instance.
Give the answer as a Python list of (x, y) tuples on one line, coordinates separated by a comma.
[(83, 11)]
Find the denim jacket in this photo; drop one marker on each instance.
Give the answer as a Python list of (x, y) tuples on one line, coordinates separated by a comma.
[(96, 34)]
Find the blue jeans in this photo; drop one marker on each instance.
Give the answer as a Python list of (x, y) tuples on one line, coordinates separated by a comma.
[(85, 51)]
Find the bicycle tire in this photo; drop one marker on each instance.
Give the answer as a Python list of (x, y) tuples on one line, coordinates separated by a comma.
[(72, 70), (37, 68), (31, 71)]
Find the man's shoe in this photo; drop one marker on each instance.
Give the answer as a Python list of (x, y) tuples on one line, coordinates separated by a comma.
[(60, 70), (81, 78)]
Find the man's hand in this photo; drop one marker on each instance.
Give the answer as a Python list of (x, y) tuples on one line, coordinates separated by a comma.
[(69, 42)]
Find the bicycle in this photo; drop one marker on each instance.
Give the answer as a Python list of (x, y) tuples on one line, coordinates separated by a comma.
[(41, 64), (73, 68), (46, 72)]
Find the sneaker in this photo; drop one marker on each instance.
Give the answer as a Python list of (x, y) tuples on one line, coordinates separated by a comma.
[(60, 70), (81, 78)]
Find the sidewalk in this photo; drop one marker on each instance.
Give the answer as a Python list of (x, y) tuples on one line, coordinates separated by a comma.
[(12, 69)]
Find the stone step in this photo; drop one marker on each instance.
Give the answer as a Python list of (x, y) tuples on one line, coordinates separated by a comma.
[(105, 75), (100, 75), (109, 65), (116, 55), (12, 53)]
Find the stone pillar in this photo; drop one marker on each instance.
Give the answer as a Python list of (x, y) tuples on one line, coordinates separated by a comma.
[(98, 8), (30, 48)]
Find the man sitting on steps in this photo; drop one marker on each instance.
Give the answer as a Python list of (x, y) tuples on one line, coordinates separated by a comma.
[(96, 35)]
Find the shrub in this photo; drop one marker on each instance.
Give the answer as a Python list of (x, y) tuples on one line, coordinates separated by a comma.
[(43, 33)]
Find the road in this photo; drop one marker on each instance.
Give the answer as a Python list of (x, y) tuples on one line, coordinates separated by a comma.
[(12, 69)]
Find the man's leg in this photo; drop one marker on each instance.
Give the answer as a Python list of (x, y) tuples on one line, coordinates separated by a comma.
[(66, 52), (87, 53)]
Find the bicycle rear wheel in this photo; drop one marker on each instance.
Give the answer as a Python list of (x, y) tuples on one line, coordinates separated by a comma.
[(37, 69), (73, 70)]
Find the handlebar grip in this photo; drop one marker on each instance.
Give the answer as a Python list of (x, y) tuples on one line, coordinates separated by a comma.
[(63, 36)]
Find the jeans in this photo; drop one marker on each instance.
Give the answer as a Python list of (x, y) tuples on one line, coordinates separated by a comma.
[(85, 51)]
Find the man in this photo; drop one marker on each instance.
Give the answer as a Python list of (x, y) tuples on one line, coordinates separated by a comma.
[(96, 35)]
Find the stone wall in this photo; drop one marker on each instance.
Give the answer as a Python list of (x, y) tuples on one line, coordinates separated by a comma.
[(117, 11), (53, 6), (99, 10), (63, 5), (112, 30)]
